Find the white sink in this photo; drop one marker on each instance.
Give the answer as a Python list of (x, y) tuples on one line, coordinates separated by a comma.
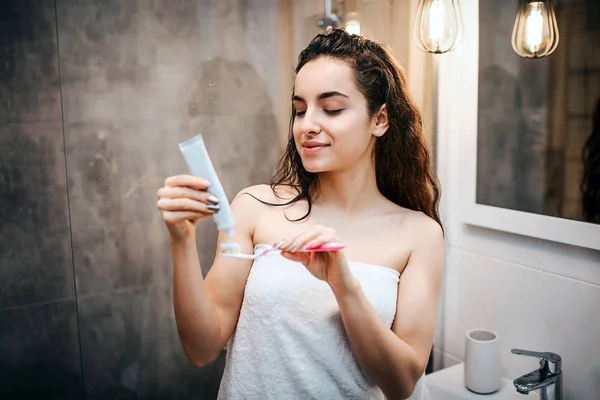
[(448, 384)]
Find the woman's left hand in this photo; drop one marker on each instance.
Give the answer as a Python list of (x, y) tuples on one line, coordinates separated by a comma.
[(329, 266)]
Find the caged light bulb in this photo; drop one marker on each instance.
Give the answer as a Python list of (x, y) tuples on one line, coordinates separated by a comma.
[(437, 27), (535, 33)]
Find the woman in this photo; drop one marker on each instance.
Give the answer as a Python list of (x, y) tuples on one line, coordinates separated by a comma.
[(335, 325)]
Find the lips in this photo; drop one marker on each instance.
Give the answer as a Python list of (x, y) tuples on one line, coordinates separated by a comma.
[(313, 147), (313, 143)]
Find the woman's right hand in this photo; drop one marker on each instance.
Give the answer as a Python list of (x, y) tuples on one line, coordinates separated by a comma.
[(183, 201)]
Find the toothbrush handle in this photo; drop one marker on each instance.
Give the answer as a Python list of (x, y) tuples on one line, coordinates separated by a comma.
[(326, 247)]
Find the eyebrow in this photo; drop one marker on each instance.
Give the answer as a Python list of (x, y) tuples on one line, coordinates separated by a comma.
[(321, 96)]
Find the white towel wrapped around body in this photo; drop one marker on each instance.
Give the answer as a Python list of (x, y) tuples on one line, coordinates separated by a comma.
[(290, 342)]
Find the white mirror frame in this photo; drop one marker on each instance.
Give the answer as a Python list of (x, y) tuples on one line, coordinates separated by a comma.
[(457, 106)]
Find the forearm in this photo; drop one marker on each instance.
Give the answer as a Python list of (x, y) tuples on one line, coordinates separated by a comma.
[(195, 315), (385, 358)]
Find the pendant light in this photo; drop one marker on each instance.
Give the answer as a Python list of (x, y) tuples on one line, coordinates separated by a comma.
[(535, 33), (437, 27)]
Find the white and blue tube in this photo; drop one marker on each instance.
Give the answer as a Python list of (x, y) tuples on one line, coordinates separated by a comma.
[(198, 161)]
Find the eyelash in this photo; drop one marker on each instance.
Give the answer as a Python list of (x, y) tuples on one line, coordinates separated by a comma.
[(328, 112)]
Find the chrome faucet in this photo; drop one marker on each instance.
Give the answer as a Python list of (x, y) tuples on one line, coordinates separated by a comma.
[(548, 378)]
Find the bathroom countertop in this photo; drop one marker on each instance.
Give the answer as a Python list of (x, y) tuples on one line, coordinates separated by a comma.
[(448, 384)]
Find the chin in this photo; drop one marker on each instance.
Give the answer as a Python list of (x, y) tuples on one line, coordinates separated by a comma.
[(315, 166)]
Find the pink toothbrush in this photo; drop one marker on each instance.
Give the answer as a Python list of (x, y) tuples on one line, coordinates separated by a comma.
[(231, 250), (325, 247)]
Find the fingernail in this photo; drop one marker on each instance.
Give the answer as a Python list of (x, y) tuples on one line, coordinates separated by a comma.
[(213, 199), (214, 207), (291, 247), (278, 245)]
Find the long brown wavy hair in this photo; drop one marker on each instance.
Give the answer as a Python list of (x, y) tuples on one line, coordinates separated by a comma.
[(402, 160)]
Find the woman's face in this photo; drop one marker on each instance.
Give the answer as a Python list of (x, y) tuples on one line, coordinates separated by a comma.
[(332, 129)]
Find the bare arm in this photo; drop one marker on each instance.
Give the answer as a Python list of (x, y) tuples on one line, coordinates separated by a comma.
[(396, 358), (206, 311)]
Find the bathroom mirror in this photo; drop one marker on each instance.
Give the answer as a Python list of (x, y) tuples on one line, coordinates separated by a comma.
[(526, 123), (535, 150)]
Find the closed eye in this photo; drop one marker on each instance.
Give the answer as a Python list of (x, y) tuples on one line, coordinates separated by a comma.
[(328, 112)]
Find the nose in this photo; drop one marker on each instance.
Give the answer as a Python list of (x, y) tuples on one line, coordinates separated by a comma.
[(309, 125)]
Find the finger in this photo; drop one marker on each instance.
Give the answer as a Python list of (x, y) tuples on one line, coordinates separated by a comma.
[(185, 192), (289, 243), (190, 181), (322, 239), (299, 240), (278, 244), (185, 204), (308, 237)]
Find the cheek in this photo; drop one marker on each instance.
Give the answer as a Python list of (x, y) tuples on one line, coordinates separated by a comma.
[(351, 132), (351, 148)]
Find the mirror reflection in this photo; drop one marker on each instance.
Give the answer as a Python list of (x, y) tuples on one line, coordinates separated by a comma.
[(538, 147)]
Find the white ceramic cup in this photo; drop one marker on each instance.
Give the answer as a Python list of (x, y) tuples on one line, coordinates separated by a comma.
[(482, 362)]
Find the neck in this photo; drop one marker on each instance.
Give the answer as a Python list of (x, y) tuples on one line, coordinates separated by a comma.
[(351, 190)]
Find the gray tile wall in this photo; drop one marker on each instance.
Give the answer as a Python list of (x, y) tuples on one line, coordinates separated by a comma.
[(94, 97)]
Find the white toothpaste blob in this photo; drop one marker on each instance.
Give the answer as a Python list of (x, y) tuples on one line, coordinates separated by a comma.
[(231, 248)]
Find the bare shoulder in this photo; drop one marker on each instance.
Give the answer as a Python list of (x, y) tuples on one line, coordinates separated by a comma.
[(252, 206), (254, 191), (419, 225), (425, 227), (261, 194)]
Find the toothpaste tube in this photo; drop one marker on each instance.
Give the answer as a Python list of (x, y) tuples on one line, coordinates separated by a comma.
[(198, 161)]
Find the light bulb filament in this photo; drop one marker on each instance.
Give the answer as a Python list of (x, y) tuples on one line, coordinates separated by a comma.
[(534, 27)]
